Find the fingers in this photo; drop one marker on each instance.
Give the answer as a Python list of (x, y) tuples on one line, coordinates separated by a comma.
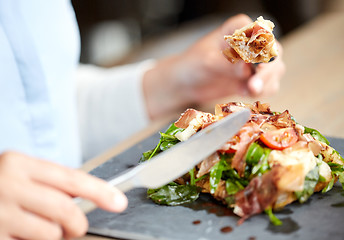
[(217, 65), (24, 225), (235, 22), (77, 183), (54, 206), (40, 194), (221, 88), (266, 80)]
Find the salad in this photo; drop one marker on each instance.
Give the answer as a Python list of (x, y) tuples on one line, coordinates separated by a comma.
[(271, 162)]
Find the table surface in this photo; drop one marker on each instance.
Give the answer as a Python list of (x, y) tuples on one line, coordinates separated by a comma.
[(312, 89)]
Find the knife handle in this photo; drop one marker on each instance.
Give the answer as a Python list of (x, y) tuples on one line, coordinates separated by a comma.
[(124, 182), (85, 204)]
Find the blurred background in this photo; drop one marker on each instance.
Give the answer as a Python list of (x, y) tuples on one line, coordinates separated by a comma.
[(116, 32)]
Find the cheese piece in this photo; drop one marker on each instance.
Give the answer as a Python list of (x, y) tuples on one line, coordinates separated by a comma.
[(298, 163), (193, 127)]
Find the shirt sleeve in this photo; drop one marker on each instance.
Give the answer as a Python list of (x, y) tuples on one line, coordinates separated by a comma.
[(111, 105)]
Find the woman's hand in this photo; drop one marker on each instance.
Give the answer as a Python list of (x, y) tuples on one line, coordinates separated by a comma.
[(36, 198), (202, 73), (265, 80)]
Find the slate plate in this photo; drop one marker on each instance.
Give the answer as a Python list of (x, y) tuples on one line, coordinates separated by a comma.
[(320, 218)]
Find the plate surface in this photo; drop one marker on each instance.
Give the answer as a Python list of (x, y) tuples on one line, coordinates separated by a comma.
[(321, 217)]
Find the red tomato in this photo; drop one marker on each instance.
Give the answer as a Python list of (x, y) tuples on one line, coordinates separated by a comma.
[(279, 139)]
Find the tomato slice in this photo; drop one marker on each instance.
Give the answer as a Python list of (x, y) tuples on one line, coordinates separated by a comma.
[(279, 139)]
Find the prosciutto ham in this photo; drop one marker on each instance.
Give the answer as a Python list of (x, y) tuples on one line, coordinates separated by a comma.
[(270, 162)]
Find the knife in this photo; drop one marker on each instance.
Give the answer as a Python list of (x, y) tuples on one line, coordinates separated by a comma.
[(176, 161)]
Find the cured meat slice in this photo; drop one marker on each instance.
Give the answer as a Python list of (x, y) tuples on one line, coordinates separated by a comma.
[(254, 43)]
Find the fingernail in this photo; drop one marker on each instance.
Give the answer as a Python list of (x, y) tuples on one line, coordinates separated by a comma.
[(256, 85), (120, 202)]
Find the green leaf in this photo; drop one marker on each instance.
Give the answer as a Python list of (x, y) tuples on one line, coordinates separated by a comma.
[(329, 185), (173, 194), (232, 187), (172, 130), (337, 170), (215, 176), (151, 153), (167, 140), (192, 176), (317, 135), (311, 181), (341, 178), (273, 219), (257, 159), (167, 143), (216, 173), (341, 158)]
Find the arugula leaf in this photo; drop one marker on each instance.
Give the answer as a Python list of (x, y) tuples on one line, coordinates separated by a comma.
[(257, 159), (192, 176), (173, 130), (232, 175), (215, 176), (216, 172), (223, 170), (167, 140), (273, 219), (337, 170), (232, 187), (311, 181), (317, 135), (174, 194), (329, 185)]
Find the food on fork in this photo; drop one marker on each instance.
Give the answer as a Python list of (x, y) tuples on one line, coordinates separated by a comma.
[(254, 43), (271, 162)]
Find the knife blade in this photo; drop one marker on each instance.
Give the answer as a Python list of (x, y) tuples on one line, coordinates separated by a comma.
[(176, 161)]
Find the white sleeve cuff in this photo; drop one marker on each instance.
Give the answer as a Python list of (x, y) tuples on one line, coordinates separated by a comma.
[(111, 105)]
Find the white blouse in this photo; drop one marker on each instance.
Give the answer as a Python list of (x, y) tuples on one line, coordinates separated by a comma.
[(39, 54)]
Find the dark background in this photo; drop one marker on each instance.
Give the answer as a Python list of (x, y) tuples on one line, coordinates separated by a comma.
[(132, 22)]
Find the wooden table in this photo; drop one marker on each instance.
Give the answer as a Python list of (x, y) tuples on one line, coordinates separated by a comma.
[(312, 89)]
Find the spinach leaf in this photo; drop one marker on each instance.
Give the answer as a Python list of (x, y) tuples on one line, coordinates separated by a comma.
[(223, 170), (317, 135), (215, 176), (167, 140), (216, 173), (257, 159), (174, 194), (173, 130), (232, 187), (329, 185), (337, 170), (232, 175), (311, 181), (273, 219), (151, 153), (192, 176)]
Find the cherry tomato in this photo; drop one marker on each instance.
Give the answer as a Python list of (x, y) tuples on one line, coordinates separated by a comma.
[(279, 139)]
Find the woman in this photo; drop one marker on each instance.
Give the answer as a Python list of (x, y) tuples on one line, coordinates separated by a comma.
[(39, 144)]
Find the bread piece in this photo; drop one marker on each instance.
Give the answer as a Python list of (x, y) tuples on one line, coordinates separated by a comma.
[(254, 43)]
